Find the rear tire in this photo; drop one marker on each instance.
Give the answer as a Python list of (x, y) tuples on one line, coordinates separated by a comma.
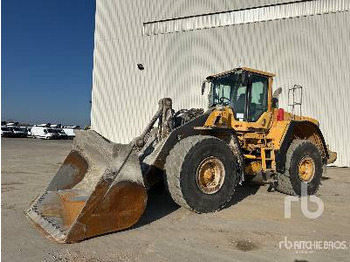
[(201, 173), (299, 153)]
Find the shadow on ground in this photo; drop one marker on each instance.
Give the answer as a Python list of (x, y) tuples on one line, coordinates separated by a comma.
[(159, 205), (242, 192)]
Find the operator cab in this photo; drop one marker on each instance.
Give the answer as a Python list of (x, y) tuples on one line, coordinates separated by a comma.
[(245, 90)]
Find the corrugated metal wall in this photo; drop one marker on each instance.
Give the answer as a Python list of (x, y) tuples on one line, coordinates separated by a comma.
[(311, 51), (265, 13)]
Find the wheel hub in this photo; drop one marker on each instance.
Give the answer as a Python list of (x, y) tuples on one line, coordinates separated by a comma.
[(306, 169), (210, 175)]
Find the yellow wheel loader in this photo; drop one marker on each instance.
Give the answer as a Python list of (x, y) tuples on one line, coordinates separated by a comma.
[(202, 156)]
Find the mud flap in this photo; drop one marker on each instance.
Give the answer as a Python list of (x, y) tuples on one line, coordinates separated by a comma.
[(98, 189)]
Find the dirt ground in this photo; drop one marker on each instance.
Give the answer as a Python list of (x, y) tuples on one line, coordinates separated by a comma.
[(250, 229)]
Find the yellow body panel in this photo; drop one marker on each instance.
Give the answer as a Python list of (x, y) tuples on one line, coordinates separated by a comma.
[(264, 136)]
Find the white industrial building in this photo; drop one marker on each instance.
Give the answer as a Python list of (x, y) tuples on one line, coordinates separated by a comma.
[(181, 42)]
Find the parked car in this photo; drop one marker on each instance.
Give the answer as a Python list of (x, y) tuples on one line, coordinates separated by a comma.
[(29, 133), (61, 133), (44, 132), (70, 132), (6, 132), (18, 132), (26, 130)]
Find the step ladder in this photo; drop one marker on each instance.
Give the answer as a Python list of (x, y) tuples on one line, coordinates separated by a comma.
[(295, 98), (268, 159)]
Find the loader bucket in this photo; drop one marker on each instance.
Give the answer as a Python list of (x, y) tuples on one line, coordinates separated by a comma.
[(98, 189)]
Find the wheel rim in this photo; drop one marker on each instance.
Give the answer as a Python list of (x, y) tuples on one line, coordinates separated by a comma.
[(210, 175), (306, 169)]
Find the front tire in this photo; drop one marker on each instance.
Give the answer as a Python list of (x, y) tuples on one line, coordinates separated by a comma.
[(303, 167), (201, 173)]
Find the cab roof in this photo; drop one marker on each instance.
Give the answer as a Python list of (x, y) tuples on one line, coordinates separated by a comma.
[(247, 69)]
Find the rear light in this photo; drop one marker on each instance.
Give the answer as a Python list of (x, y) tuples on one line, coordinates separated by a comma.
[(280, 114)]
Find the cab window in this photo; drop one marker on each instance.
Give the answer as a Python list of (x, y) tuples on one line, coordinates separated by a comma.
[(239, 102), (258, 97)]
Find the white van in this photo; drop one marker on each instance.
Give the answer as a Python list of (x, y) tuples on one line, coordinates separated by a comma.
[(70, 132), (43, 132)]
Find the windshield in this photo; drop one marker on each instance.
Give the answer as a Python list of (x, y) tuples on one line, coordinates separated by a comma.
[(16, 129), (49, 130), (228, 90), (5, 129), (248, 103)]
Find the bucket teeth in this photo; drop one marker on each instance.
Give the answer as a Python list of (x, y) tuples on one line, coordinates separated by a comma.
[(48, 225)]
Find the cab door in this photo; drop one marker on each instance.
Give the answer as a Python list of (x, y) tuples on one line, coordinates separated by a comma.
[(257, 106), (257, 97)]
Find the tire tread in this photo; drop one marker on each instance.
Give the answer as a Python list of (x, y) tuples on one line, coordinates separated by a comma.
[(284, 184), (173, 169)]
